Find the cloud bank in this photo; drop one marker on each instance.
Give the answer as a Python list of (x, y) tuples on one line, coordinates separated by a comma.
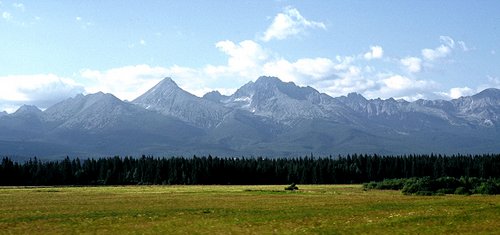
[(41, 90)]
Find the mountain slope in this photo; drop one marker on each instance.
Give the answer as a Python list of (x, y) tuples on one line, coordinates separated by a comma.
[(169, 99), (266, 117), (103, 124), (270, 97)]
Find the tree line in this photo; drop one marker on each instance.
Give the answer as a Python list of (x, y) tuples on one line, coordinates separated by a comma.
[(215, 170)]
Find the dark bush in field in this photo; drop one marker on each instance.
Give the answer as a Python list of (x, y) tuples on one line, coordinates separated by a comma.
[(488, 187), (462, 191), (418, 186), (388, 184), (440, 186)]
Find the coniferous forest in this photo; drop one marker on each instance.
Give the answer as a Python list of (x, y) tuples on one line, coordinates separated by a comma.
[(243, 171)]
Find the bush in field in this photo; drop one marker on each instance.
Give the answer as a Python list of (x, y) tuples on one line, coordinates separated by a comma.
[(387, 184), (462, 191), (416, 185), (488, 187), (445, 185), (470, 183), (440, 186), (370, 185), (394, 184)]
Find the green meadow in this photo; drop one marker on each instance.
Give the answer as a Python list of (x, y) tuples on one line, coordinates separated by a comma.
[(324, 209)]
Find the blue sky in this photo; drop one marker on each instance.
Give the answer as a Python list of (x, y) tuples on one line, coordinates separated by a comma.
[(52, 50)]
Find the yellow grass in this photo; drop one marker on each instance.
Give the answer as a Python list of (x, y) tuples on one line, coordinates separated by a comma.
[(241, 210)]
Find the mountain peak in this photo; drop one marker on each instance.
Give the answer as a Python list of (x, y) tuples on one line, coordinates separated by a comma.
[(268, 79), (217, 93), (168, 81), (355, 96), (165, 88), (99, 97), (215, 96), (488, 93), (170, 100), (28, 109)]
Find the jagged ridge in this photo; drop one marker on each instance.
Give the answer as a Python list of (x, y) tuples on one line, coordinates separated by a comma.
[(267, 117)]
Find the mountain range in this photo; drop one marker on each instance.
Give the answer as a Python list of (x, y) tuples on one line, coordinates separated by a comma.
[(267, 117)]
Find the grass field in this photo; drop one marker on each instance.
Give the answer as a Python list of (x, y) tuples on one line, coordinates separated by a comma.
[(241, 209)]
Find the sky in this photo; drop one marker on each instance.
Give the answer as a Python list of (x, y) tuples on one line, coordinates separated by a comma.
[(53, 50)]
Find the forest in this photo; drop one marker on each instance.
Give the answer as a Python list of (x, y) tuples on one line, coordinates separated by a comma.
[(244, 171)]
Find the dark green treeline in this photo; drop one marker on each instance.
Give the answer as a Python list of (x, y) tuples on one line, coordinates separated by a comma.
[(215, 170)]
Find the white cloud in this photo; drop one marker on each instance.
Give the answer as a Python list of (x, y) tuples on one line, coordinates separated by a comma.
[(19, 6), (448, 41), (84, 24), (493, 82), (6, 15), (303, 71), (439, 52), (346, 81), (376, 52), (247, 60), (41, 90), (288, 23), (463, 46), (396, 82), (457, 92), (244, 59), (131, 81), (142, 42), (401, 87), (317, 68), (125, 82), (433, 54), (412, 64)]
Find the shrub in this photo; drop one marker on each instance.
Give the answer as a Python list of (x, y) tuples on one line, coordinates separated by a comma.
[(394, 184), (446, 185), (462, 191), (440, 186), (415, 185), (488, 187), (371, 185)]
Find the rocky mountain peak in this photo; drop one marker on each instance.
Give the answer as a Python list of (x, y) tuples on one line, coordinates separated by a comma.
[(169, 99), (165, 90), (490, 93), (214, 96), (353, 96), (28, 110), (266, 88), (268, 81), (167, 82), (81, 103)]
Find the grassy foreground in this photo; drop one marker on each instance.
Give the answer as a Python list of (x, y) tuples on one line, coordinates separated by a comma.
[(241, 209)]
